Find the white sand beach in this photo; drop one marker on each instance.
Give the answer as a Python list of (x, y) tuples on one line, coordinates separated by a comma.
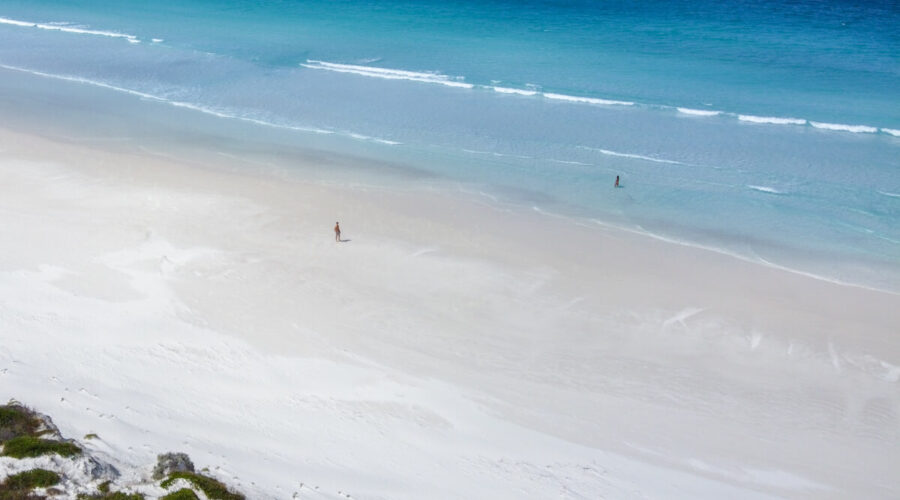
[(449, 348)]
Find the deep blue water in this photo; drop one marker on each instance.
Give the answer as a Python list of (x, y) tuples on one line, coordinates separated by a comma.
[(765, 129)]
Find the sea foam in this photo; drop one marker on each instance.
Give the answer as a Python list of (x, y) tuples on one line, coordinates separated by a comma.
[(64, 27), (858, 129), (387, 73), (699, 112), (507, 90), (774, 120), (586, 100), (632, 155)]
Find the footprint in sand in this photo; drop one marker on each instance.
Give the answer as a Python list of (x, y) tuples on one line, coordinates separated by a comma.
[(85, 392)]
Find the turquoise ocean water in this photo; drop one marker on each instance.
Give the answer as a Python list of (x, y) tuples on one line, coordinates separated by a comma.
[(769, 130)]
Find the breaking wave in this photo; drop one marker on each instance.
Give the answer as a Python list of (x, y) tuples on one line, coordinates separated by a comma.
[(435, 77), (699, 112), (772, 120), (586, 100), (507, 90), (857, 129), (388, 74), (68, 28)]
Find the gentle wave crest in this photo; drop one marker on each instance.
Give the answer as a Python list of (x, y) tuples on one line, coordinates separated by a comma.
[(858, 129), (698, 112), (493, 153), (507, 90), (362, 137), (765, 189), (773, 120), (632, 155), (586, 100), (441, 79), (386, 73), (570, 162), (64, 27)]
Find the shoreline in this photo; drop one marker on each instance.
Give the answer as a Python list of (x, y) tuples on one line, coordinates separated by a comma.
[(443, 320), (267, 150)]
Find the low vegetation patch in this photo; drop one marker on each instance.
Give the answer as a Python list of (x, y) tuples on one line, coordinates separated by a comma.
[(35, 478), (9, 494), (213, 489), (17, 420), (19, 486), (28, 447), (182, 494)]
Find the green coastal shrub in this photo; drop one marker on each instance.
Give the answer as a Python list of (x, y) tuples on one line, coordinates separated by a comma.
[(16, 420), (29, 447), (9, 494), (34, 478), (213, 489), (182, 494)]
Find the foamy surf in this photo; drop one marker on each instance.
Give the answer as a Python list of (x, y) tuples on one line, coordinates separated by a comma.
[(773, 120), (857, 129), (698, 112), (362, 137), (507, 90), (66, 28), (387, 73), (890, 131), (586, 100)]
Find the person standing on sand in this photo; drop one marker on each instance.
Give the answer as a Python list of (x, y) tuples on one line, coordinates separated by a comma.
[(337, 232)]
